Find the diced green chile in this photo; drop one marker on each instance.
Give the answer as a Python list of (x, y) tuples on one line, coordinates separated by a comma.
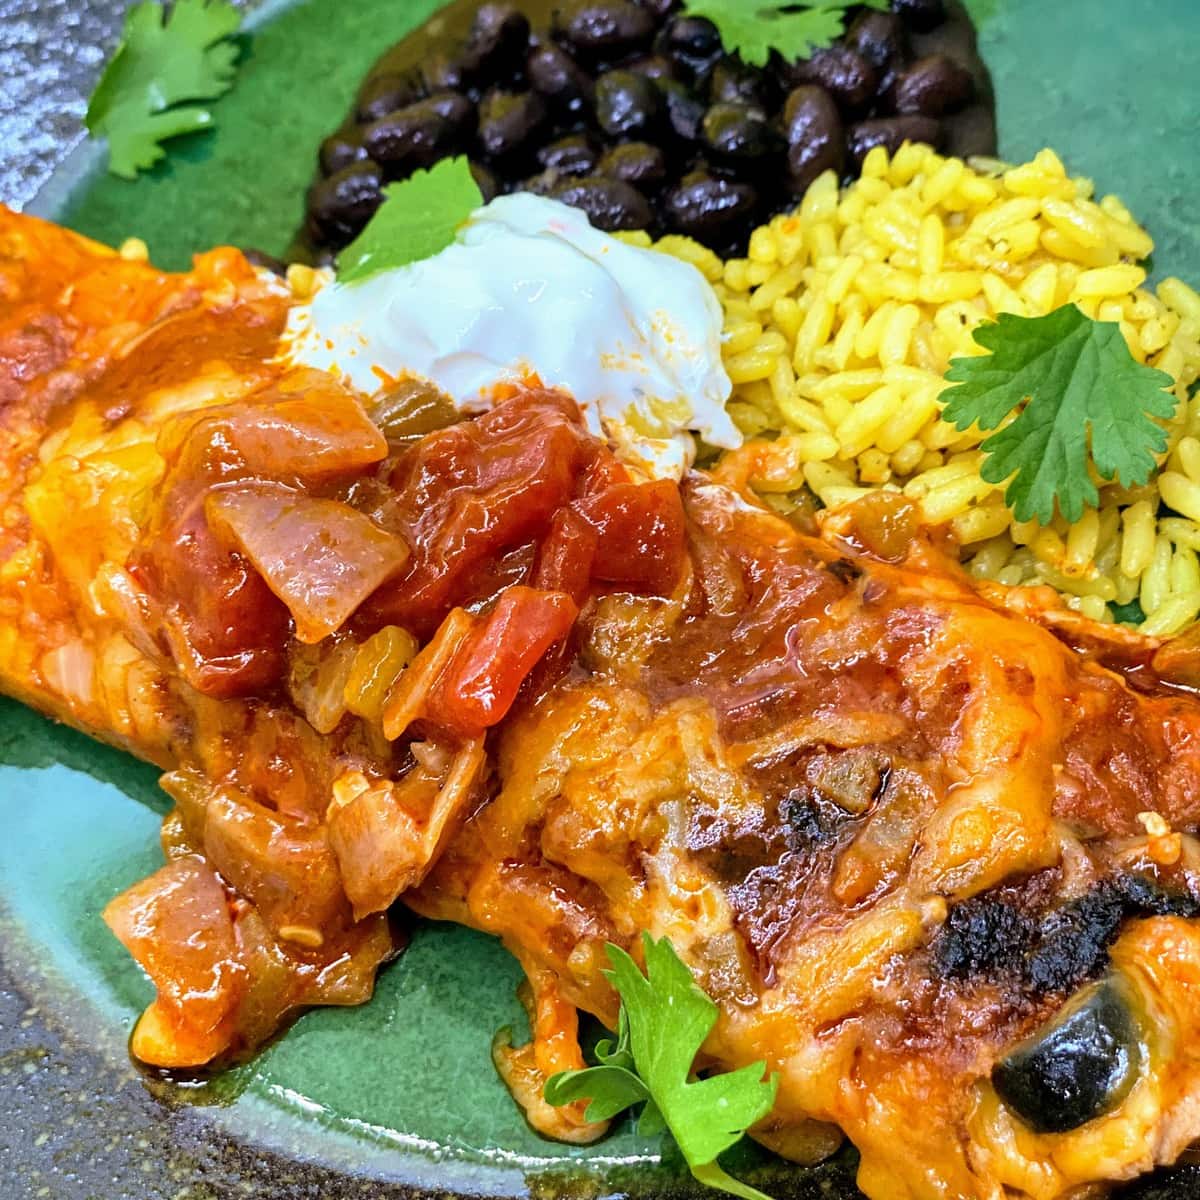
[(1078, 1067), (412, 409)]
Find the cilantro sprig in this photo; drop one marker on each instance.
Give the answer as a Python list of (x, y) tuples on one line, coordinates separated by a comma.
[(161, 63), (1080, 399), (418, 218), (753, 28), (664, 1019)]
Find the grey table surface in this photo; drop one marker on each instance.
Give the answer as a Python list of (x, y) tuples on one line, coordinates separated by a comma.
[(51, 53)]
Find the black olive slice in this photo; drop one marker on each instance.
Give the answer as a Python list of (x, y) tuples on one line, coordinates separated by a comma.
[(1078, 1067)]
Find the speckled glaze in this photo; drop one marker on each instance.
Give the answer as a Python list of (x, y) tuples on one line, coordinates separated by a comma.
[(397, 1099)]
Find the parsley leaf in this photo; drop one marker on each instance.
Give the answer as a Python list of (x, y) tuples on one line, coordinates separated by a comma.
[(753, 28), (664, 1020), (1065, 376), (418, 218), (160, 62)]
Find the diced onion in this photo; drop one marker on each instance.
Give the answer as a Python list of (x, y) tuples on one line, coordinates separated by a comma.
[(322, 558), (408, 698), (313, 429), (387, 836), (69, 670)]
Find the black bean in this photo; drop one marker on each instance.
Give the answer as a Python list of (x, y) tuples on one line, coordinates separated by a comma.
[(921, 15), (338, 207), (637, 163), (693, 42), (846, 76), (878, 37), (518, 93), (508, 121), (661, 9), (610, 204), (815, 136), (496, 44), (685, 110), (382, 94), (652, 66), (933, 86), (891, 133), (884, 97), (459, 111), (341, 149), (732, 82), (604, 29), (627, 105), (446, 72), (710, 209), (420, 134), (738, 133), (556, 75), (574, 155)]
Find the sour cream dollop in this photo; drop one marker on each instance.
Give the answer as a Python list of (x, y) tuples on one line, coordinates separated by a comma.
[(531, 288)]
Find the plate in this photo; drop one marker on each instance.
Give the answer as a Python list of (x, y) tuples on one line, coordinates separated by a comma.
[(400, 1096)]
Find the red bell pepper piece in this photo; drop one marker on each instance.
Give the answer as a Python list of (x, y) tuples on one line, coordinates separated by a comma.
[(481, 682)]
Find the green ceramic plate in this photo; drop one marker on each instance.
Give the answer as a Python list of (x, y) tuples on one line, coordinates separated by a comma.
[(403, 1090)]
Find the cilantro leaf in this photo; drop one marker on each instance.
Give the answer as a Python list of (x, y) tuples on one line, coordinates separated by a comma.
[(418, 218), (611, 1087), (1065, 376), (753, 28), (162, 61), (610, 1090), (664, 1020)]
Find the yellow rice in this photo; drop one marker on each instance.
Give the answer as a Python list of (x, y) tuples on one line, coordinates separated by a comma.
[(841, 322)]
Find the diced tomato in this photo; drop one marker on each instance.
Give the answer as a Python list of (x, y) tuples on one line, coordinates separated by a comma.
[(640, 535), (605, 472), (564, 561), (525, 474), (476, 491), (225, 627), (481, 683)]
